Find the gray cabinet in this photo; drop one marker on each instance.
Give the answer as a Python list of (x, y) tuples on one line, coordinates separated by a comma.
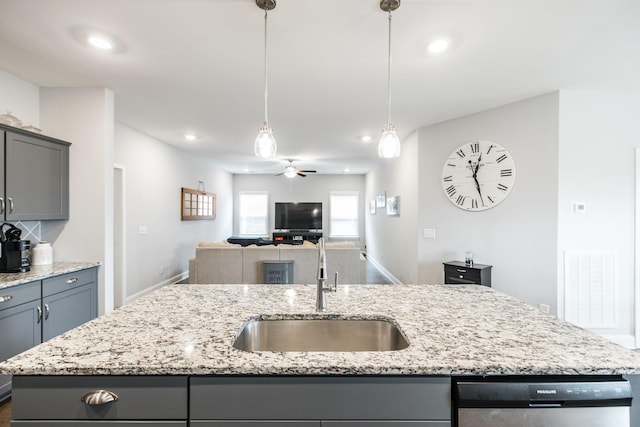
[(35, 312), (19, 324), (68, 301), (321, 401), (35, 183), (141, 400)]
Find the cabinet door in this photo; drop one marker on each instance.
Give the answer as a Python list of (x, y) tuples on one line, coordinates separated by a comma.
[(66, 310), (37, 178), (256, 423), (19, 331)]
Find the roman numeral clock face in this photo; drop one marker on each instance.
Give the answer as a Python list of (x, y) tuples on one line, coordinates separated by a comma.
[(478, 175)]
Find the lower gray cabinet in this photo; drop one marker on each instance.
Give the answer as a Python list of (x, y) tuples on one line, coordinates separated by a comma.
[(69, 300), (58, 400), (19, 325), (35, 312), (399, 401)]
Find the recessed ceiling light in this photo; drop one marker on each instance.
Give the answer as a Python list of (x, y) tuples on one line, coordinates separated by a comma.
[(438, 45), (347, 170), (100, 42), (366, 138), (190, 136)]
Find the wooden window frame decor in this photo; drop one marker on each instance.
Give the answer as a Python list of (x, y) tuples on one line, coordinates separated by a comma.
[(197, 205)]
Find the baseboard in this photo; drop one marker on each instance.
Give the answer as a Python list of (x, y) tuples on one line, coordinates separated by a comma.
[(170, 281), (393, 279)]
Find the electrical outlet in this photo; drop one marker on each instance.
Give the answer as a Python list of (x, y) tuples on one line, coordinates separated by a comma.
[(142, 229), (544, 307), (162, 271), (429, 233)]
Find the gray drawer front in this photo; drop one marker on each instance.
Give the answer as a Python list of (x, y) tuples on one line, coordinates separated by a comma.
[(100, 423), (19, 294), (68, 281), (278, 423), (320, 398), (386, 424), (139, 398)]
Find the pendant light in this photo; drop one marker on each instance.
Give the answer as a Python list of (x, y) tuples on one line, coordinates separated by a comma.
[(265, 145), (389, 145)]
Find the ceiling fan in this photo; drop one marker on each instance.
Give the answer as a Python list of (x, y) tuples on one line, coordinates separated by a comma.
[(291, 171)]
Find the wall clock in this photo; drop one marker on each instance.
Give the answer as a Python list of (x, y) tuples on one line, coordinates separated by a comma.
[(478, 175)]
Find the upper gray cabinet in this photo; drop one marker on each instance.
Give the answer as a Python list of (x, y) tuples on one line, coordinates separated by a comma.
[(34, 184)]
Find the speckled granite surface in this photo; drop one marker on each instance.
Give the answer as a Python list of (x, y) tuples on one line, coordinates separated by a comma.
[(189, 329), (39, 272)]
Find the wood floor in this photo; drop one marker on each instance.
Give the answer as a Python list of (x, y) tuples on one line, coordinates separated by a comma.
[(5, 413)]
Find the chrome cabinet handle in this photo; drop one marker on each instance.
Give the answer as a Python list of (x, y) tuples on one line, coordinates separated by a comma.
[(46, 311), (39, 318), (72, 280), (5, 298), (461, 271), (99, 397), (1, 205), (10, 200)]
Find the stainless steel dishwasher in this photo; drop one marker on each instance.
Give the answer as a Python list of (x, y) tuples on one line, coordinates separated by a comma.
[(524, 402)]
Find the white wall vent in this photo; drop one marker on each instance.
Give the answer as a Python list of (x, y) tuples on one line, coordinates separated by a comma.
[(590, 289)]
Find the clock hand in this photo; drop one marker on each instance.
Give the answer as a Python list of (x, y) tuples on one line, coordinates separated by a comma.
[(475, 178)]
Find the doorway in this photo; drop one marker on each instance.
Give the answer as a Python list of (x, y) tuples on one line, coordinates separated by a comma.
[(119, 247)]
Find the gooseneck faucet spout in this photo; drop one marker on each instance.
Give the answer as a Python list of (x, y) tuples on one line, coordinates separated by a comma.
[(321, 286)]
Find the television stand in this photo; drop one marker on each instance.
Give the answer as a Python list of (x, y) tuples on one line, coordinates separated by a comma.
[(296, 237)]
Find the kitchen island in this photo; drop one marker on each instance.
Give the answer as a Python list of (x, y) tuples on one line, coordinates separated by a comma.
[(184, 334)]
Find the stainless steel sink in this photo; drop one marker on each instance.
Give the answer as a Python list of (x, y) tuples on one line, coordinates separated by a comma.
[(325, 334)]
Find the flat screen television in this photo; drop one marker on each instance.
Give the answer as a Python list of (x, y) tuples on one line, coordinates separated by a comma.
[(298, 216)]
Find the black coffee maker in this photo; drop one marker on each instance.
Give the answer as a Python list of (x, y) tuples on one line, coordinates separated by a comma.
[(13, 251)]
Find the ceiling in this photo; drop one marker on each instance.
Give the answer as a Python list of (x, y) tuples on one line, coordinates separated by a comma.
[(197, 66)]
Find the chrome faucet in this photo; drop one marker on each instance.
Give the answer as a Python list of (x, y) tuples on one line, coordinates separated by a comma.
[(322, 287)]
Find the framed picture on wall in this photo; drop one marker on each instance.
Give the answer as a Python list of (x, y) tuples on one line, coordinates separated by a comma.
[(372, 207), (393, 206), (381, 199)]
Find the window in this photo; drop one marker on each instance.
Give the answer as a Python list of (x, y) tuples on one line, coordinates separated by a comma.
[(343, 216), (254, 213)]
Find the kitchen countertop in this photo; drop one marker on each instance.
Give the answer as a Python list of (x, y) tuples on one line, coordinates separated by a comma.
[(39, 272), (453, 330)]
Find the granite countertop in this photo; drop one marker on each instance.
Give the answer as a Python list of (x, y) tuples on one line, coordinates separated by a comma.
[(39, 272), (189, 330)]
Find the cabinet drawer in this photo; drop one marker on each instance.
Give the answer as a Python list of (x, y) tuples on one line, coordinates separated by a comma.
[(256, 423), (320, 398), (100, 423), (139, 398), (19, 294), (68, 281), (465, 274)]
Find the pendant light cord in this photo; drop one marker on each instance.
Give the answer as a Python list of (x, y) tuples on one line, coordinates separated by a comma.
[(266, 120), (389, 76)]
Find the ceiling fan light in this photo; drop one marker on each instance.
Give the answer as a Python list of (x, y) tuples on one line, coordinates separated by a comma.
[(265, 145), (389, 144), (290, 172)]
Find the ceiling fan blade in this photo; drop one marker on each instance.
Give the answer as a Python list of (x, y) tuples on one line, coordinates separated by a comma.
[(307, 171), (281, 173), (301, 174)]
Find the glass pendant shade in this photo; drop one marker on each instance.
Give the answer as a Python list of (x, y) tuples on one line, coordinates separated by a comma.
[(265, 145), (389, 144)]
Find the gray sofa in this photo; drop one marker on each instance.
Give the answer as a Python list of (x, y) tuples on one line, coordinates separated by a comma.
[(224, 263)]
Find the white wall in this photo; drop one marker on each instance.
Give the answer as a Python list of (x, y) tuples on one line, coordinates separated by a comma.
[(21, 98), (392, 240), (154, 175), (84, 117), (312, 188), (518, 237), (599, 132)]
